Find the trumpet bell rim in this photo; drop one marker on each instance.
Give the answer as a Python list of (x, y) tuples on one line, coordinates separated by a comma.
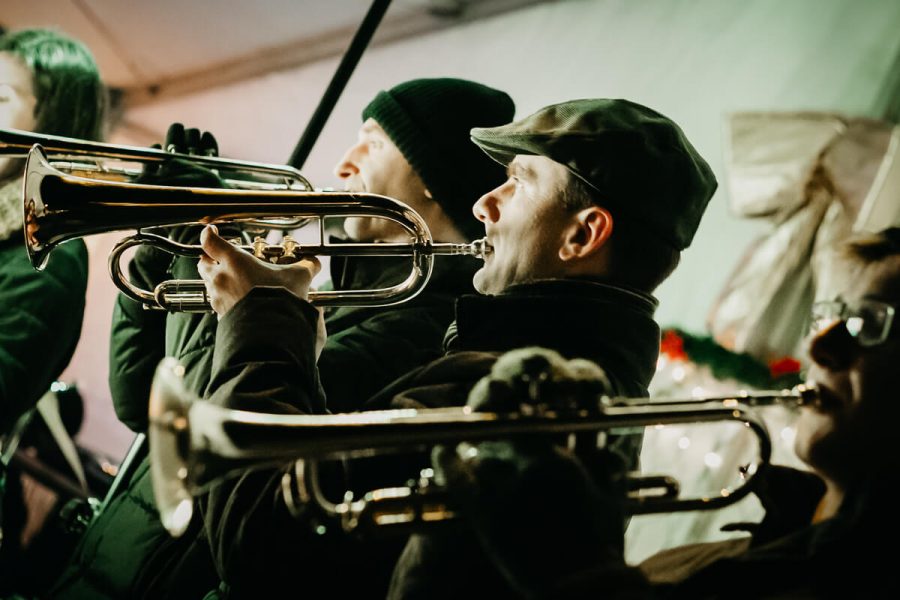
[(36, 167), (168, 427)]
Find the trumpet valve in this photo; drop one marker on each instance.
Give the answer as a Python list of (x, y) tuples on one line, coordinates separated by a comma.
[(288, 252), (260, 248), (290, 249)]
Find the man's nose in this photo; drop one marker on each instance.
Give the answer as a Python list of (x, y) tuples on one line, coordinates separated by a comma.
[(486, 209), (833, 348), (347, 166)]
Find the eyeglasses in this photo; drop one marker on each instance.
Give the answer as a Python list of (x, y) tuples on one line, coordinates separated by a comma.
[(869, 321)]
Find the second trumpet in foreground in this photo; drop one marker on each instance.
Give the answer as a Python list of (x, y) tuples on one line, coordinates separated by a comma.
[(195, 443)]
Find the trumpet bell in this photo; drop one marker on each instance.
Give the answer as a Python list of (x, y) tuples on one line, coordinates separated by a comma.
[(168, 470)]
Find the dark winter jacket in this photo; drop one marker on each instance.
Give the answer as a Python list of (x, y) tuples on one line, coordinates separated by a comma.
[(381, 344), (787, 557), (126, 553), (247, 520), (841, 557)]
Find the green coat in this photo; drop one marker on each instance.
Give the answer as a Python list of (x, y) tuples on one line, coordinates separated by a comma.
[(40, 322), (126, 553)]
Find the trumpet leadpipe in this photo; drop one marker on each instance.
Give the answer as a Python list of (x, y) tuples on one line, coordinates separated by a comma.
[(83, 156)]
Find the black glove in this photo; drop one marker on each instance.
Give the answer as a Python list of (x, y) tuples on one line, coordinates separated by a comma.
[(540, 513), (151, 265), (179, 172)]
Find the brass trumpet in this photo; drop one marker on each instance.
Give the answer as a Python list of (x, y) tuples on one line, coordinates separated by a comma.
[(60, 207), (194, 443)]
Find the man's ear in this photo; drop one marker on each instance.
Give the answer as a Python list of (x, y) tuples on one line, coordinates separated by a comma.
[(587, 233)]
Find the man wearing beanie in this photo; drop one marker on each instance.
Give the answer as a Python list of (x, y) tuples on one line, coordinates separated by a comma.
[(413, 146), (438, 172), (601, 198)]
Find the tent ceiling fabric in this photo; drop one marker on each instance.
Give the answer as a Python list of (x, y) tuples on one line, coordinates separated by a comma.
[(179, 46)]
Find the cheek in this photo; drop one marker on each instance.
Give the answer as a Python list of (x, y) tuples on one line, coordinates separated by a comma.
[(875, 379), (18, 113), (811, 427), (543, 238), (877, 410)]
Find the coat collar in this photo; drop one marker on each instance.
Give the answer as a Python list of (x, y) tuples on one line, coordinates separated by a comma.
[(603, 322)]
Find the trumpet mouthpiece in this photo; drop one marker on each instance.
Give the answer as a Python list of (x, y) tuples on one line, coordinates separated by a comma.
[(482, 248)]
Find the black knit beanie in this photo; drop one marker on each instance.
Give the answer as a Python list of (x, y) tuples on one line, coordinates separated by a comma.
[(429, 120)]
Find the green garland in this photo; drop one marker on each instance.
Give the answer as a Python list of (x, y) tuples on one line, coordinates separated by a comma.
[(677, 344)]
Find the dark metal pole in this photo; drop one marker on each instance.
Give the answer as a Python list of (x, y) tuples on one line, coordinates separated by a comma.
[(338, 82)]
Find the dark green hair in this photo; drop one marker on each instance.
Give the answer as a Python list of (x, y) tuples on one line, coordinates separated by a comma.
[(70, 98)]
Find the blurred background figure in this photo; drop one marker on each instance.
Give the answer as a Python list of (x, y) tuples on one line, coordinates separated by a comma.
[(49, 84)]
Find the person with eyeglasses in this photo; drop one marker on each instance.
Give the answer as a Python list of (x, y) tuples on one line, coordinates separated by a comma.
[(866, 319), (827, 533)]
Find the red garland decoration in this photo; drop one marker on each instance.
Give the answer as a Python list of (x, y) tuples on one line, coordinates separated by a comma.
[(672, 345), (679, 345), (784, 366)]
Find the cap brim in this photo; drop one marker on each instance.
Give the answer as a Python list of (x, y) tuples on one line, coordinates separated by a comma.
[(502, 150)]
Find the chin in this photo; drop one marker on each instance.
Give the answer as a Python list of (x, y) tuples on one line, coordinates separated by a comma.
[(482, 283), (831, 452)]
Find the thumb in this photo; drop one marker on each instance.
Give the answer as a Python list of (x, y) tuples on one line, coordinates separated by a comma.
[(213, 245)]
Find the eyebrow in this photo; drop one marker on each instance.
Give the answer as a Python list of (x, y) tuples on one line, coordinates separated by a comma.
[(520, 170)]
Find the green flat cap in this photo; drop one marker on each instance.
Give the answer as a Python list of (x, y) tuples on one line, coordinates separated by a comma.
[(638, 161)]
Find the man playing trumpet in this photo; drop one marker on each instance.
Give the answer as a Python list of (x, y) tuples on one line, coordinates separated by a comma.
[(601, 198)]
